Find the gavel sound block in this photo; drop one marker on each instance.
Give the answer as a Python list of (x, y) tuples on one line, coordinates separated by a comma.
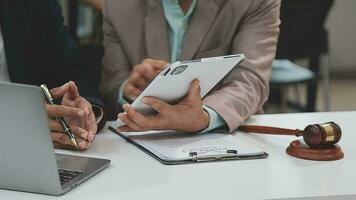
[(320, 140)]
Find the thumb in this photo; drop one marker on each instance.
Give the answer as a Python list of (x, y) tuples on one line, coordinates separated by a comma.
[(194, 90)]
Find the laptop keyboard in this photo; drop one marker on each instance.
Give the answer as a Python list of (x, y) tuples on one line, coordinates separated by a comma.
[(66, 175)]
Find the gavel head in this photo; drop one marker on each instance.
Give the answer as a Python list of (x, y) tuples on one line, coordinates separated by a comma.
[(322, 135)]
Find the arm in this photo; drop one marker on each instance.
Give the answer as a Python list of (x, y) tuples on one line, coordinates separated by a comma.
[(247, 89)]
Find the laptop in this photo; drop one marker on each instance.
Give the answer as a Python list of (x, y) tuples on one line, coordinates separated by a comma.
[(28, 162)]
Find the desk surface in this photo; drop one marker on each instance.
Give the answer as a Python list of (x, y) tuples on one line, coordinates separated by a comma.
[(135, 175)]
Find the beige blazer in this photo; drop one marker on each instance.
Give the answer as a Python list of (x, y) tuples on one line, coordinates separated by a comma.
[(137, 29)]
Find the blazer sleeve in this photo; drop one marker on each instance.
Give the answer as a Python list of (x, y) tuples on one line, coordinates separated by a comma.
[(116, 65), (245, 91), (63, 57)]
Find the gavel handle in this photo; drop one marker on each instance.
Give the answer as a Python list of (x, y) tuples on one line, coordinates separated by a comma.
[(271, 130)]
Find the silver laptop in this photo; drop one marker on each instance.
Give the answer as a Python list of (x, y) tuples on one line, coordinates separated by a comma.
[(27, 159)]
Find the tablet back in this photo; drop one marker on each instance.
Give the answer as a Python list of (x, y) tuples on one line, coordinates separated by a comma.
[(172, 84)]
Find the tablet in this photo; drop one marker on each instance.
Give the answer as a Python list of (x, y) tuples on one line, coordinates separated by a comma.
[(172, 84)]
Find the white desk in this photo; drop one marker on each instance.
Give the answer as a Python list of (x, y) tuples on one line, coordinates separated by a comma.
[(135, 175)]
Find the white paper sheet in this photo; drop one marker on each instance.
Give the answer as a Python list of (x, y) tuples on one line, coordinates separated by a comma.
[(170, 145)]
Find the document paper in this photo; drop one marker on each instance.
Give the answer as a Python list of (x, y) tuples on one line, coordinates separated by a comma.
[(170, 145)]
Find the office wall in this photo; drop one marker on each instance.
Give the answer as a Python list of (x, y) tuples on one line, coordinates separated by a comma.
[(342, 29)]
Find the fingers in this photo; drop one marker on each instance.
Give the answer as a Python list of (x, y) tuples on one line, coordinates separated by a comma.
[(149, 68), (157, 64), (150, 75), (91, 126), (80, 133), (69, 88), (55, 125), (63, 140), (155, 103), (194, 91), (64, 146), (144, 122), (141, 77), (84, 105), (138, 80), (89, 119), (79, 114), (56, 111), (131, 92), (124, 118), (194, 87), (82, 146), (149, 72), (170, 117), (145, 71)]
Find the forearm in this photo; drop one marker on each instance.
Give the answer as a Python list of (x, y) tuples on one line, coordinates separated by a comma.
[(245, 91)]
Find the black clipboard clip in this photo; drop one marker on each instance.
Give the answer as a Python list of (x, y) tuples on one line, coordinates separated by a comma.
[(226, 155)]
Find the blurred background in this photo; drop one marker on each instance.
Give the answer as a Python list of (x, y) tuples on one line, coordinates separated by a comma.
[(315, 67)]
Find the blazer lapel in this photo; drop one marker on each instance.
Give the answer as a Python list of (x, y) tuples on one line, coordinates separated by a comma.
[(156, 32), (203, 17), (12, 26)]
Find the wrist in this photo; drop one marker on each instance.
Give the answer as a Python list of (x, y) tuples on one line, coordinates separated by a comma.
[(205, 121)]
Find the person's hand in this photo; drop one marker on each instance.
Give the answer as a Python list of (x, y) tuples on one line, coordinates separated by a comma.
[(78, 113), (141, 77), (186, 116)]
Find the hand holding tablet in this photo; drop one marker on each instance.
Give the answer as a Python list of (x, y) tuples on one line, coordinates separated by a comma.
[(173, 83)]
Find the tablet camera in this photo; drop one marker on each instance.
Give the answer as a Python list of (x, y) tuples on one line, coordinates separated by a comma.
[(179, 70)]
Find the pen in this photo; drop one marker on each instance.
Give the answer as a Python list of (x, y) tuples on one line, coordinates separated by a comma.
[(60, 119)]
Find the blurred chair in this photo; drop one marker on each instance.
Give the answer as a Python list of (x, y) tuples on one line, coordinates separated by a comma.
[(302, 36)]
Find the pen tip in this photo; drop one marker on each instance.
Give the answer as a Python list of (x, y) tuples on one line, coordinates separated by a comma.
[(74, 142)]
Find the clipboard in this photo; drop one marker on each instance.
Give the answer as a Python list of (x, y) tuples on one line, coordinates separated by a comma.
[(154, 143)]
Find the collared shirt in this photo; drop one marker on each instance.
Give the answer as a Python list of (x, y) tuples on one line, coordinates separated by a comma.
[(4, 74), (178, 24)]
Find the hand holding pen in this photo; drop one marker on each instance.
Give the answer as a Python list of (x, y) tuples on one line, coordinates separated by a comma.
[(80, 120), (61, 120)]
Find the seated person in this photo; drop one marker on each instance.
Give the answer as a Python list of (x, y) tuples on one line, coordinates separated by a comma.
[(142, 37), (35, 48)]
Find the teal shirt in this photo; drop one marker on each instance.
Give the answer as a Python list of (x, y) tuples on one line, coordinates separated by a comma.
[(178, 25)]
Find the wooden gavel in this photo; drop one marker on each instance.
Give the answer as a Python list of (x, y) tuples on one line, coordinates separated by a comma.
[(316, 136)]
